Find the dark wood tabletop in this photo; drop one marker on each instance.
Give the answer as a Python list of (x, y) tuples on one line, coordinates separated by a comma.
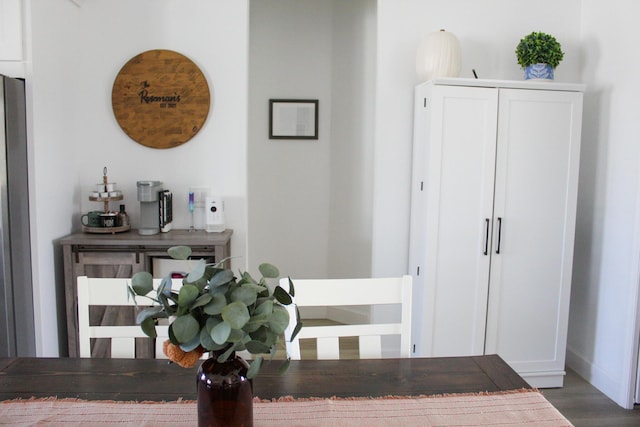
[(156, 380)]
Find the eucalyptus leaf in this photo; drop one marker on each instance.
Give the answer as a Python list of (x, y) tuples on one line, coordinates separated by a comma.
[(191, 345), (296, 330), (260, 334), (169, 309), (245, 294), (244, 342), (265, 293), (256, 287), (142, 282), (222, 289), (215, 306), (255, 322), (269, 271), (205, 339), (284, 367), (185, 328), (211, 323), (202, 300), (210, 271), (224, 356), (236, 314), (251, 327), (187, 295), (279, 320), (256, 347), (148, 326), (272, 339), (282, 296), (265, 335), (236, 336), (201, 283), (148, 313), (246, 278), (220, 332), (292, 290), (255, 367), (179, 252), (198, 271), (222, 277), (165, 286), (131, 294), (172, 336), (266, 307)]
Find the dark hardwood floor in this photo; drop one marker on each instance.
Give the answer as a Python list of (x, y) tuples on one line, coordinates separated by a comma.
[(584, 405)]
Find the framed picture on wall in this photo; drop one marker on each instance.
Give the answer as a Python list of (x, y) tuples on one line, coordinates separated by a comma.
[(293, 119)]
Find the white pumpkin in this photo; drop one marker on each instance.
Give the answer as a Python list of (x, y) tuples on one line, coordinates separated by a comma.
[(438, 56)]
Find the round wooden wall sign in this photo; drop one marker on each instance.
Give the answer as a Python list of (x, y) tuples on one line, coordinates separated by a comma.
[(160, 98)]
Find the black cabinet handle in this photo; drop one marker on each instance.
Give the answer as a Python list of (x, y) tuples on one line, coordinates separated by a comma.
[(499, 234), (486, 236)]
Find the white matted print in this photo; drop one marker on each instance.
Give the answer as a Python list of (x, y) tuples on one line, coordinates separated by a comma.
[(293, 119)]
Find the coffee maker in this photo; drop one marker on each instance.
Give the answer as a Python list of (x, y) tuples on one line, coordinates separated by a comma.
[(149, 198)]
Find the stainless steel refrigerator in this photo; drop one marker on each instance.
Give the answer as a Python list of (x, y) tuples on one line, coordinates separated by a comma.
[(17, 332)]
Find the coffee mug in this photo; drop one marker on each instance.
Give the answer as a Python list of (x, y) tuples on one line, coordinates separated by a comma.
[(91, 219), (109, 219)]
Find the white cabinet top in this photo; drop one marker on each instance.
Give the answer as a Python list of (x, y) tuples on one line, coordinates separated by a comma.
[(513, 84)]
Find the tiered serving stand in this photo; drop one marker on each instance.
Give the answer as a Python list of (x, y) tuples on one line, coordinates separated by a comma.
[(106, 201)]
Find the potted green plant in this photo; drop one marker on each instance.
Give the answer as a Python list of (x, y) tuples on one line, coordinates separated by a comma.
[(214, 311), (539, 54)]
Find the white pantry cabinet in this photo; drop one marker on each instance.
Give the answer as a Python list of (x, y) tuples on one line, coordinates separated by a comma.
[(494, 188)]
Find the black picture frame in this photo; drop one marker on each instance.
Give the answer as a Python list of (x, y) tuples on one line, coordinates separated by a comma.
[(293, 119)]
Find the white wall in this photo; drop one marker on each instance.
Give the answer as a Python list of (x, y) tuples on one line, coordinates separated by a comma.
[(310, 201), (352, 135), (290, 51), (603, 332), (77, 53), (12, 52)]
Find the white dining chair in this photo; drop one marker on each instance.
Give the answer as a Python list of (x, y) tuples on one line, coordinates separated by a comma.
[(112, 293), (350, 292)]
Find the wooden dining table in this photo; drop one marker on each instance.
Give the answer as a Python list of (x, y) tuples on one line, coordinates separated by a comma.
[(157, 380), (471, 391)]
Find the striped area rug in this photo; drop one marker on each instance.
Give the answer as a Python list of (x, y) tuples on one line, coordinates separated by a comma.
[(516, 408)]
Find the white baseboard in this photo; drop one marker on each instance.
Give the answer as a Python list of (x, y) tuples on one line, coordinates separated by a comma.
[(551, 379), (596, 377)]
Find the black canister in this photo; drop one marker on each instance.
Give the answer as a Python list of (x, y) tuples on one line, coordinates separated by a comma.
[(123, 218)]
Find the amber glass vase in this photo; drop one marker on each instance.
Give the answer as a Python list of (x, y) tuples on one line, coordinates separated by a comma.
[(225, 395)]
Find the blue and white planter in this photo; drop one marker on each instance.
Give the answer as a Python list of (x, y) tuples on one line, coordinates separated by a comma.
[(538, 71)]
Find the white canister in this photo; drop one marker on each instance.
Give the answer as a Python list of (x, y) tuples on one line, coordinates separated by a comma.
[(438, 56)]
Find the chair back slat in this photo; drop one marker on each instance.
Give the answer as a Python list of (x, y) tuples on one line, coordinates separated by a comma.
[(351, 292), (370, 346), (328, 348), (113, 293)]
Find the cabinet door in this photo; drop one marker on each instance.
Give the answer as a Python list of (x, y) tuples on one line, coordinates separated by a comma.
[(535, 202), (453, 200)]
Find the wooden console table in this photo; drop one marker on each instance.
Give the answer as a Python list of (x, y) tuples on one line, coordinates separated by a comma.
[(124, 254)]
